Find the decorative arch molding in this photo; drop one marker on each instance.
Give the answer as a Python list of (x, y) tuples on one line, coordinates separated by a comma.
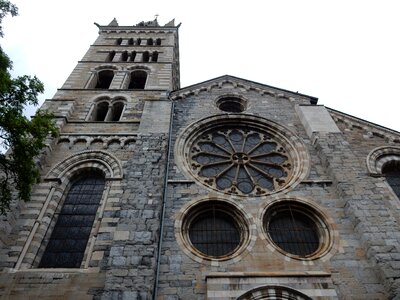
[(273, 292), (106, 67), (107, 163), (380, 156), (139, 67)]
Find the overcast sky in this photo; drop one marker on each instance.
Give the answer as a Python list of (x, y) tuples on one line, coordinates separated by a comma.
[(346, 53)]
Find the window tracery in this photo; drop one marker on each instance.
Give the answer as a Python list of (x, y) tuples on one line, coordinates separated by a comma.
[(241, 160), (242, 155), (70, 235)]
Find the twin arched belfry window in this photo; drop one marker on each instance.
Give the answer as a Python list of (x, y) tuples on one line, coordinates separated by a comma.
[(107, 111)]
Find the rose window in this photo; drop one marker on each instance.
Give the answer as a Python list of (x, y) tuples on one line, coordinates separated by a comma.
[(241, 160)]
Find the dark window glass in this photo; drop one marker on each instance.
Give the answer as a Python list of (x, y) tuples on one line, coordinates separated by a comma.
[(150, 42), (133, 55), (104, 79), (130, 41), (117, 109), (124, 56), (101, 111), (293, 232), (146, 56), (392, 174), (154, 56), (231, 104), (138, 80), (110, 56), (158, 42), (119, 41), (69, 238), (138, 41), (214, 233)]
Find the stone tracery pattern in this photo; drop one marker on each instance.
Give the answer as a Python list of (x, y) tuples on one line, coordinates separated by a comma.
[(240, 160)]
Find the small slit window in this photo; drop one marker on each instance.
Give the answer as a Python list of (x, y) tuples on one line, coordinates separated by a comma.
[(70, 235), (146, 56), (110, 56), (104, 79), (133, 56), (154, 56), (124, 56), (138, 80)]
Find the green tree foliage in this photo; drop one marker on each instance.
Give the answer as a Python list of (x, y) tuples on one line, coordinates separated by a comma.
[(23, 138)]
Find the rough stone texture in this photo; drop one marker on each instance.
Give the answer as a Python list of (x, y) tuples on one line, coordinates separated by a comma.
[(132, 260)]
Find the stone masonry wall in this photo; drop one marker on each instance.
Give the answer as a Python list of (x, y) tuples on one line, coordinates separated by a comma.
[(131, 266)]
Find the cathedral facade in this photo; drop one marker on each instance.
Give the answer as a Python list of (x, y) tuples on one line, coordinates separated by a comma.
[(226, 189)]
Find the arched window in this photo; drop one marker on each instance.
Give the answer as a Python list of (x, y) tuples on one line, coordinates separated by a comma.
[(116, 111), (391, 171), (100, 111), (154, 56), (138, 80), (146, 56), (133, 56), (130, 42), (138, 41), (70, 235), (119, 41), (150, 42), (158, 42), (104, 79), (273, 292), (124, 56), (110, 56)]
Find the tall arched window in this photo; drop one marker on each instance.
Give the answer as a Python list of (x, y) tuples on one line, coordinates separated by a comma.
[(70, 235), (158, 42), (100, 111), (104, 79), (391, 171), (154, 56), (138, 80), (146, 56), (116, 111)]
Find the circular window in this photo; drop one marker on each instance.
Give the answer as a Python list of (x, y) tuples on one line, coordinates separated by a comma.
[(214, 230), (296, 229), (242, 155), (231, 104), (242, 160)]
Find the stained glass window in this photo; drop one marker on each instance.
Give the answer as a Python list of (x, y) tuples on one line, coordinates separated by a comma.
[(70, 235), (214, 233), (240, 160), (293, 231)]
